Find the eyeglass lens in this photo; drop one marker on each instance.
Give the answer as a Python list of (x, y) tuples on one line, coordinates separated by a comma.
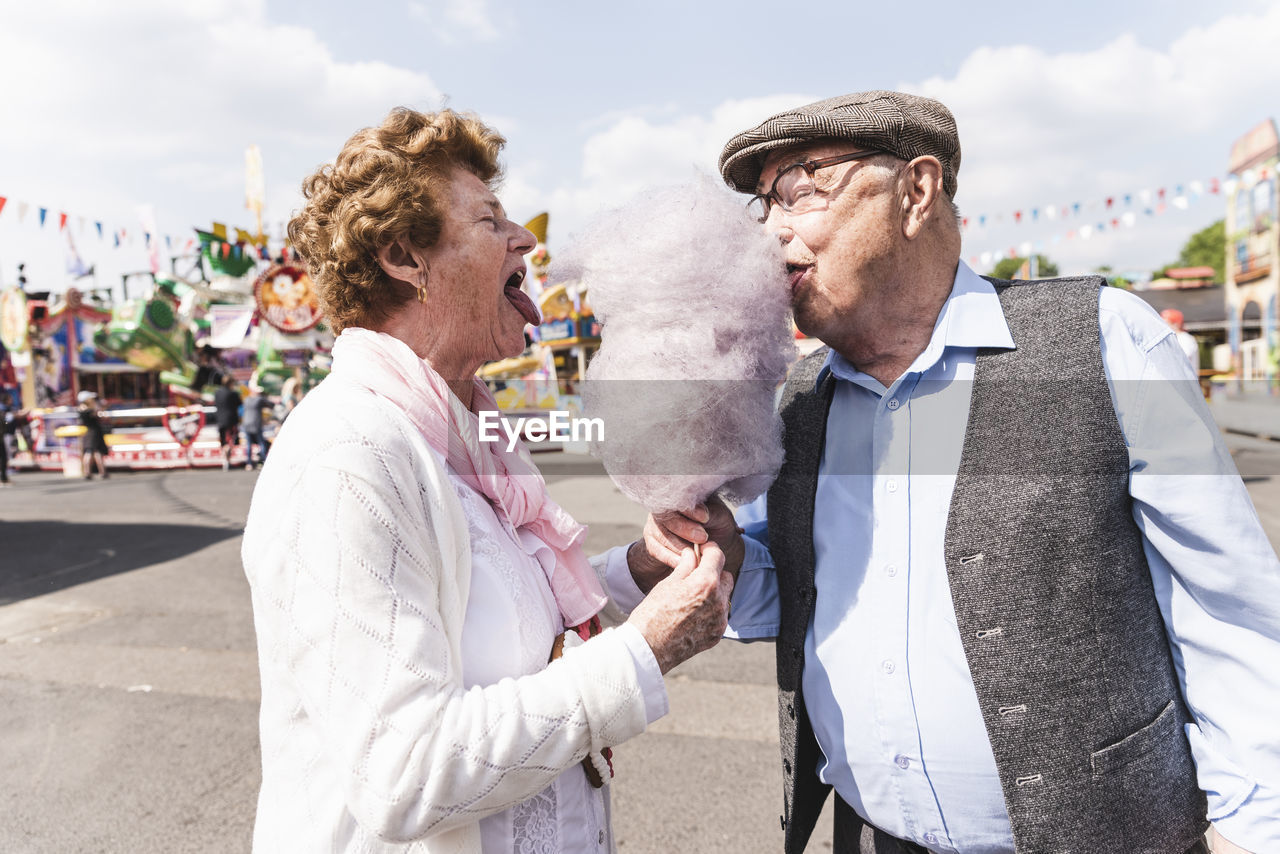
[(792, 186)]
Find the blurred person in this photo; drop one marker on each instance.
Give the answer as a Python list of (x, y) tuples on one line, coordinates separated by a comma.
[(94, 442), (410, 583), (227, 403), (7, 428), (252, 425), (209, 369), (291, 393), (1020, 597), (1186, 340)]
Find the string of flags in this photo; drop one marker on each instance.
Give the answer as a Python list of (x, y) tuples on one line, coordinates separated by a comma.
[(220, 241), (1150, 202), (1086, 220), (123, 235)]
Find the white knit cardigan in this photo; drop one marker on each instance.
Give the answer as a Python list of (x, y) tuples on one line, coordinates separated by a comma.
[(358, 557)]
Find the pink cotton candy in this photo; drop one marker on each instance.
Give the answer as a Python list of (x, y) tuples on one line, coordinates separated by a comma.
[(697, 337)]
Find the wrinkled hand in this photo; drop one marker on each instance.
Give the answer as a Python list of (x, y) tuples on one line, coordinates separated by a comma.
[(656, 553), (687, 611), (666, 535), (1219, 845)]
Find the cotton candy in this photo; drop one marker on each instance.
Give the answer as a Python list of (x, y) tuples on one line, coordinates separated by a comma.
[(693, 298)]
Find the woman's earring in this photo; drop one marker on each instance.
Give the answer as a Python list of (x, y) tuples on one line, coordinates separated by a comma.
[(422, 288)]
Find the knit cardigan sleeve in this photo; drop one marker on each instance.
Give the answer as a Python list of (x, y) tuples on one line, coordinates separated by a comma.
[(359, 562)]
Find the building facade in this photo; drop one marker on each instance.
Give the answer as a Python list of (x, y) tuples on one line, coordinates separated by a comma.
[(1253, 256)]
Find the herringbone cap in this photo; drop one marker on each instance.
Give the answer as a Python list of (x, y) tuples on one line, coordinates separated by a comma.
[(906, 126)]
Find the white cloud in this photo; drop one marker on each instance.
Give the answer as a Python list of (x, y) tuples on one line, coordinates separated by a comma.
[(457, 20), (1042, 128), (634, 153), (152, 101), (1036, 127)]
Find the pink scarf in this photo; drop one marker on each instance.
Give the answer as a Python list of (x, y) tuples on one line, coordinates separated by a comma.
[(509, 479)]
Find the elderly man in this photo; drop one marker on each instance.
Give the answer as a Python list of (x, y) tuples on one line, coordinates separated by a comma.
[(1020, 596)]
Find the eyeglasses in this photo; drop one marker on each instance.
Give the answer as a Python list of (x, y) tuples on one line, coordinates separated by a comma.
[(793, 189)]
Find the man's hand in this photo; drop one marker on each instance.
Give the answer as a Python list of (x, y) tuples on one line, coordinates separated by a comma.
[(1219, 845), (667, 535), (687, 611)]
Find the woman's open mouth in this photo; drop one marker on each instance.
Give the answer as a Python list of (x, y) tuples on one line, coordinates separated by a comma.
[(520, 299)]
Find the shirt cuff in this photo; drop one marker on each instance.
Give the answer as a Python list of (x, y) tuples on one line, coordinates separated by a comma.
[(621, 586), (1255, 825), (754, 611), (1244, 811), (755, 555), (648, 673)]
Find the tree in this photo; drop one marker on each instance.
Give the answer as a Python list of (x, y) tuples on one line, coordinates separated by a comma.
[(1007, 268), (1206, 248), (1113, 279)]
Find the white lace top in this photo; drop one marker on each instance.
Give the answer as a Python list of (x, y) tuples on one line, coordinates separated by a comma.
[(402, 636), (511, 622)]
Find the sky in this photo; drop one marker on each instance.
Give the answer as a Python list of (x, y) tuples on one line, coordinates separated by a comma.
[(111, 110)]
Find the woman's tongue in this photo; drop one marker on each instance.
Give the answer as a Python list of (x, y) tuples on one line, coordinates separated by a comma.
[(523, 304)]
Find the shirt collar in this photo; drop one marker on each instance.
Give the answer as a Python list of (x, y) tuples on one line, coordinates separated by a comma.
[(971, 317)]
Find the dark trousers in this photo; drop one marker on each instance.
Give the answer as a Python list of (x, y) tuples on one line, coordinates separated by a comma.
[(252, 438), (854, 836)]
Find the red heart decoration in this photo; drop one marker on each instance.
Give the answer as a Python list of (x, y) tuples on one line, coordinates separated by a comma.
[(184, 423)]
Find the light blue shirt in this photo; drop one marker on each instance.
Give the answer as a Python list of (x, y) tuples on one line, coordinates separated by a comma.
[(886, 682)]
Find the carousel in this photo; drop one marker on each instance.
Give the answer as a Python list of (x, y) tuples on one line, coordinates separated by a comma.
[(153, 359)]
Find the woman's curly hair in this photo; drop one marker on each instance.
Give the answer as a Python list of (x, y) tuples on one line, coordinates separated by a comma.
[(388, 182)]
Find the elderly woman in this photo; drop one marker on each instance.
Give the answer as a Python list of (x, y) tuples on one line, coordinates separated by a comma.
[(409, 581)]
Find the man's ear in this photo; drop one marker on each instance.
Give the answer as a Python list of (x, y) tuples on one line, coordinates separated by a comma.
[(401, 262), (922, 183)]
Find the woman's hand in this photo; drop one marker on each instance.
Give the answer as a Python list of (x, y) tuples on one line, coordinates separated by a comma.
[(687, 611)]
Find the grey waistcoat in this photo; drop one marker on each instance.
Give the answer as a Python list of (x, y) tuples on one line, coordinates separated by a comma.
[(1052, 593)]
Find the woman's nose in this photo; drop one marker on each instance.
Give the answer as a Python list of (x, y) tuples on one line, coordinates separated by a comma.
[(525, 241)]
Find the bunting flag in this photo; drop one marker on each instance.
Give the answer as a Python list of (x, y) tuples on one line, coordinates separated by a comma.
[(43, 213), (23, 207), (2, 201), (99, 227), (75, 265), (62, 221)]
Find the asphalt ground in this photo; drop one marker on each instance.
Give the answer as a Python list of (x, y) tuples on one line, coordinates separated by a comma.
[(129, 686)]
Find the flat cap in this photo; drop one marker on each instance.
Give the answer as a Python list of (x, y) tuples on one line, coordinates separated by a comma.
[(906, 126)]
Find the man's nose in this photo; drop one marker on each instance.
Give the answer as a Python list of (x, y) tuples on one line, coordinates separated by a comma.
[(777, 223)]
